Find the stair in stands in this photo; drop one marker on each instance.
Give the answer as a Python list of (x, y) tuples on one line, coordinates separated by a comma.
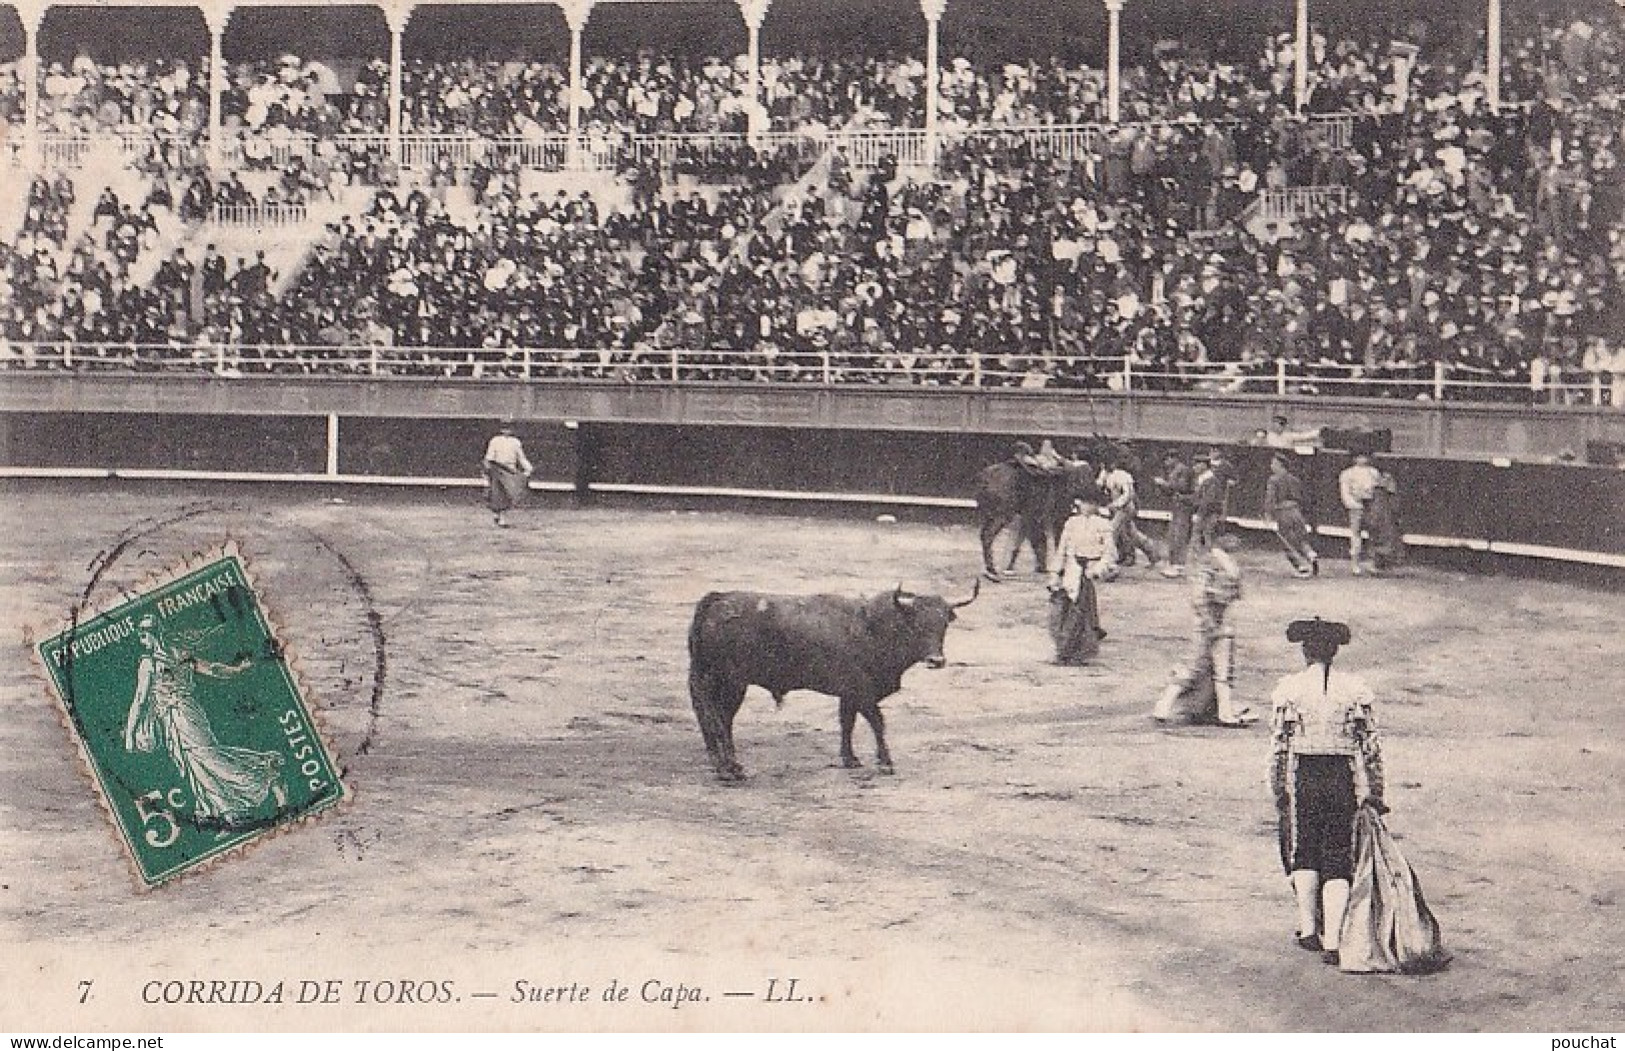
[(287, 247), (608, 192), (14, 185)]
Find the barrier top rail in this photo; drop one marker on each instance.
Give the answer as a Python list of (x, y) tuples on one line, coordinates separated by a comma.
[(821, 366)]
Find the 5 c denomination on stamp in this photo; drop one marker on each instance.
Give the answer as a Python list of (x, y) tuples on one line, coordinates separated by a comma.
[(190, 718)]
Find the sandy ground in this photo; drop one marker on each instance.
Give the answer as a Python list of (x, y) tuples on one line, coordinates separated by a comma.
[(533, 802)]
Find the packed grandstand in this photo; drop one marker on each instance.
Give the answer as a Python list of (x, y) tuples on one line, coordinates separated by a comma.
[(1391, 222)]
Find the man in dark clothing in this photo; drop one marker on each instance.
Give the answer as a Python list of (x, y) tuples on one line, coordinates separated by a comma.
[(254, 281), (213, 269), (1283, 503), (1179, 482), (1210, 498)]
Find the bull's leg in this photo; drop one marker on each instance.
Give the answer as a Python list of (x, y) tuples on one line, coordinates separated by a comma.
[(729, 698), (702, 691), (877, 723), (1048, 540), (1023, 537), (1035, 534), (849, 719), (992, 526)]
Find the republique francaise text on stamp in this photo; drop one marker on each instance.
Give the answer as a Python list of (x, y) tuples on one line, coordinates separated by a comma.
[(191, 721)]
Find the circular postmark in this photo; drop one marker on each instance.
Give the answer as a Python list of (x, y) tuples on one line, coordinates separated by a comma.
[(189, 711)]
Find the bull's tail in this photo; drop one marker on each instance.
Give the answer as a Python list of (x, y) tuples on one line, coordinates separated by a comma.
[(703, 685), (701, 616)]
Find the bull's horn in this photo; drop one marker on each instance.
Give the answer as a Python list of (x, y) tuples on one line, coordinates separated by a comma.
[(900, 598), (976, 589)]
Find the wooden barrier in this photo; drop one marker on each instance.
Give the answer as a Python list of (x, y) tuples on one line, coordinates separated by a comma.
[(1562, 512)]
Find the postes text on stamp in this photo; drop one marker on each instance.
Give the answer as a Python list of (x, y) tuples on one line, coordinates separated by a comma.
[(190, 719)]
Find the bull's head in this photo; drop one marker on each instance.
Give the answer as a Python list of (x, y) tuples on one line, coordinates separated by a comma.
[(928, 617)]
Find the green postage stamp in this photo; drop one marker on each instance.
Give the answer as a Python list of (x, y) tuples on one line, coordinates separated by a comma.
[(190, 719)]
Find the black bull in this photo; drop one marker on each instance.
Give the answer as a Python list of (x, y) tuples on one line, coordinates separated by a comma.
[(853, 649)]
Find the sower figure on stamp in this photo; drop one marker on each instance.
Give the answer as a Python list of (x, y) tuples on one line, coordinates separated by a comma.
[(226, 784), (1283, 503), (507, 472), (1086, 555), (1179, 482), (1325, 757), (1203, 691)]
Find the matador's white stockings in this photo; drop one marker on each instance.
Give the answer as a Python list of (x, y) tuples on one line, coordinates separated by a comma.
[(1320, 906), (1306, 888)]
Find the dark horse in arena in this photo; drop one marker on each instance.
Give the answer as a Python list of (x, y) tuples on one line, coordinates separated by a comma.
[(1038, 502)]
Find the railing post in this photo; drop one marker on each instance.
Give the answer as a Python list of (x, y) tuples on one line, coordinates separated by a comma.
[(527, 363), (933, 11), (32, 16), (1280, 377), (975, 368), (1438, 381), (220, 357), (1596, 390), (675, 354), (1128, 373), (216, 16), (396, 16), (1114, 80), (332, 445), (372, 360), (829, 376), (576, 14), (754, 13)]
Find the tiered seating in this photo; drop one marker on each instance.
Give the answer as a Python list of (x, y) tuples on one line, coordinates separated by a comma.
[(1213, 241)]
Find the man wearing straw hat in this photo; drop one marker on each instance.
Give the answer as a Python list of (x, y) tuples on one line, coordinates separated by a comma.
[(507, 472)]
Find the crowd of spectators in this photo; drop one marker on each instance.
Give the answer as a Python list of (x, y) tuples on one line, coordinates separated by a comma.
[(490, 98), (653, 94), (168, 97), (86, 295), (523, 271), (11, 95), (1491, 244), (296, 96), (295, 116)]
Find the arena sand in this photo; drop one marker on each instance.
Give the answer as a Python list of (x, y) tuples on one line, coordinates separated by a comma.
[(533, 802)]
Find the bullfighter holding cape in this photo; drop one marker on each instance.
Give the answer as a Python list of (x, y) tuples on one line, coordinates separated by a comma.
[(1086, 554), (507, 472)]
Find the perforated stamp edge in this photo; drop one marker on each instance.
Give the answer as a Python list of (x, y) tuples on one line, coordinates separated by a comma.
[(83, 612)]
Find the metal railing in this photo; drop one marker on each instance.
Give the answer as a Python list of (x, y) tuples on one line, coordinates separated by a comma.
[(674, 150), (1330, 129), (590, 150), (430, 151), (278, 149), (1299, 202), (132, 143), (1064, 142), (821, 366), (258, 215)]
